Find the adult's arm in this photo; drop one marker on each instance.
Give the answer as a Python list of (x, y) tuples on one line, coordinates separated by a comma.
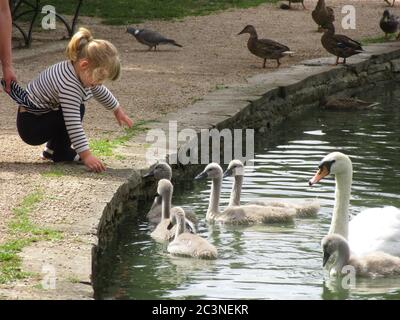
[(5, 43)]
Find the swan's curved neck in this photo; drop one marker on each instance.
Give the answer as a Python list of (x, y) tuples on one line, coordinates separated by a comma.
[(213, 206), (180, 227), (236, 191), (342, 259), (340, 217), (166, 206)]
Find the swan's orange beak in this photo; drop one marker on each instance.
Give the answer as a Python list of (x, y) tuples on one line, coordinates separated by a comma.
[(321, 173)]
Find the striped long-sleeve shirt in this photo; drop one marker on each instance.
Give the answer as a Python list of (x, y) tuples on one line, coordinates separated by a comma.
[(59, 87)]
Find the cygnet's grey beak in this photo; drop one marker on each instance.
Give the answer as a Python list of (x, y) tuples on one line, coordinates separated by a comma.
[(201, 176), (227, 173), (149, 174), (325, 259)]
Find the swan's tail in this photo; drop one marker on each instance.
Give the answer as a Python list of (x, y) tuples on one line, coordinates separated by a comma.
[(307, 209)]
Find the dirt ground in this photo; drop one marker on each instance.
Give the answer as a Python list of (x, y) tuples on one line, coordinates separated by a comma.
[(153, 84)]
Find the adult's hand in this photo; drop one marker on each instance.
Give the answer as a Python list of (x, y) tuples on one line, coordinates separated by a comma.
[(8, 76)]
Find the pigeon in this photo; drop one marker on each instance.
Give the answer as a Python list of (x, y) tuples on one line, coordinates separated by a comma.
[(150, 38)]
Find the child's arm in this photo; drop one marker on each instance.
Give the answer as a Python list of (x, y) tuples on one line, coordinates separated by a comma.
[(70, 105), (122, 118), (107, 99)]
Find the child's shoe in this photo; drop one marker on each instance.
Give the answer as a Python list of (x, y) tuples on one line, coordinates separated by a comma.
[(47, 154)]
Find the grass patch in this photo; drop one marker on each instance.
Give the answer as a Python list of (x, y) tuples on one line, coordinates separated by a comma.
[(104, 147), (24, 232), (221, 86), (10, 263), (54, 172), (380, 39), (120, 12), (120, 157), (74, 279)]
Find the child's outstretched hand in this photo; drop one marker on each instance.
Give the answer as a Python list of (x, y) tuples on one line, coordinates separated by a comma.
[(122, 118), (91, 162)]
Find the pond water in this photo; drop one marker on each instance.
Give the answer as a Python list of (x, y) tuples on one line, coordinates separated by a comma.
[(278, 261)]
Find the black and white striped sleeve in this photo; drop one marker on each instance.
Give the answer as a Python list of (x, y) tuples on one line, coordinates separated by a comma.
[(105, 97), (70, 101)]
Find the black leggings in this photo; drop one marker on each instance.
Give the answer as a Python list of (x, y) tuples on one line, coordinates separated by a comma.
[(49, 127)]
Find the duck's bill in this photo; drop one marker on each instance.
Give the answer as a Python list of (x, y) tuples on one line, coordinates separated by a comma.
[(321, 173)]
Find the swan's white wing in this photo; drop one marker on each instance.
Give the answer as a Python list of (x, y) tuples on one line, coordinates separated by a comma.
[(375, 229)]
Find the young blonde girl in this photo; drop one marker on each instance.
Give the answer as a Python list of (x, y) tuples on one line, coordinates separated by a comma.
[(51, 109)]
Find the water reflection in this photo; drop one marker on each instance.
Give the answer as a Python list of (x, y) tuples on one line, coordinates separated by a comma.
[(277, 261)]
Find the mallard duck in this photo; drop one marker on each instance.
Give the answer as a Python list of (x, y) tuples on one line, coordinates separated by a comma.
[(322, 14), (339, 45), (285, 6), (390, 5), (150, 38), (389, 23), (264, 48), (346, 103)]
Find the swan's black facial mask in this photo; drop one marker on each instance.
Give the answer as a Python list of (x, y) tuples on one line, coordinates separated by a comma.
[(324, 169), (326, 164)]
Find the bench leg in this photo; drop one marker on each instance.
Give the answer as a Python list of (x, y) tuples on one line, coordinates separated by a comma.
[(71, 28)]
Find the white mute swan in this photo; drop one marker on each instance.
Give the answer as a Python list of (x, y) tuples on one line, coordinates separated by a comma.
[(239, 214), (374, 264), (236, 169), (165, 231), (375, 229), (189, 244), (162, 170)]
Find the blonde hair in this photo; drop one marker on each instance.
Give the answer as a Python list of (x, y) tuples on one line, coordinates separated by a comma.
[(102, 55)]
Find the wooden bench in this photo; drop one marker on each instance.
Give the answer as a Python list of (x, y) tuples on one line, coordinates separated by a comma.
[(21, 9)]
